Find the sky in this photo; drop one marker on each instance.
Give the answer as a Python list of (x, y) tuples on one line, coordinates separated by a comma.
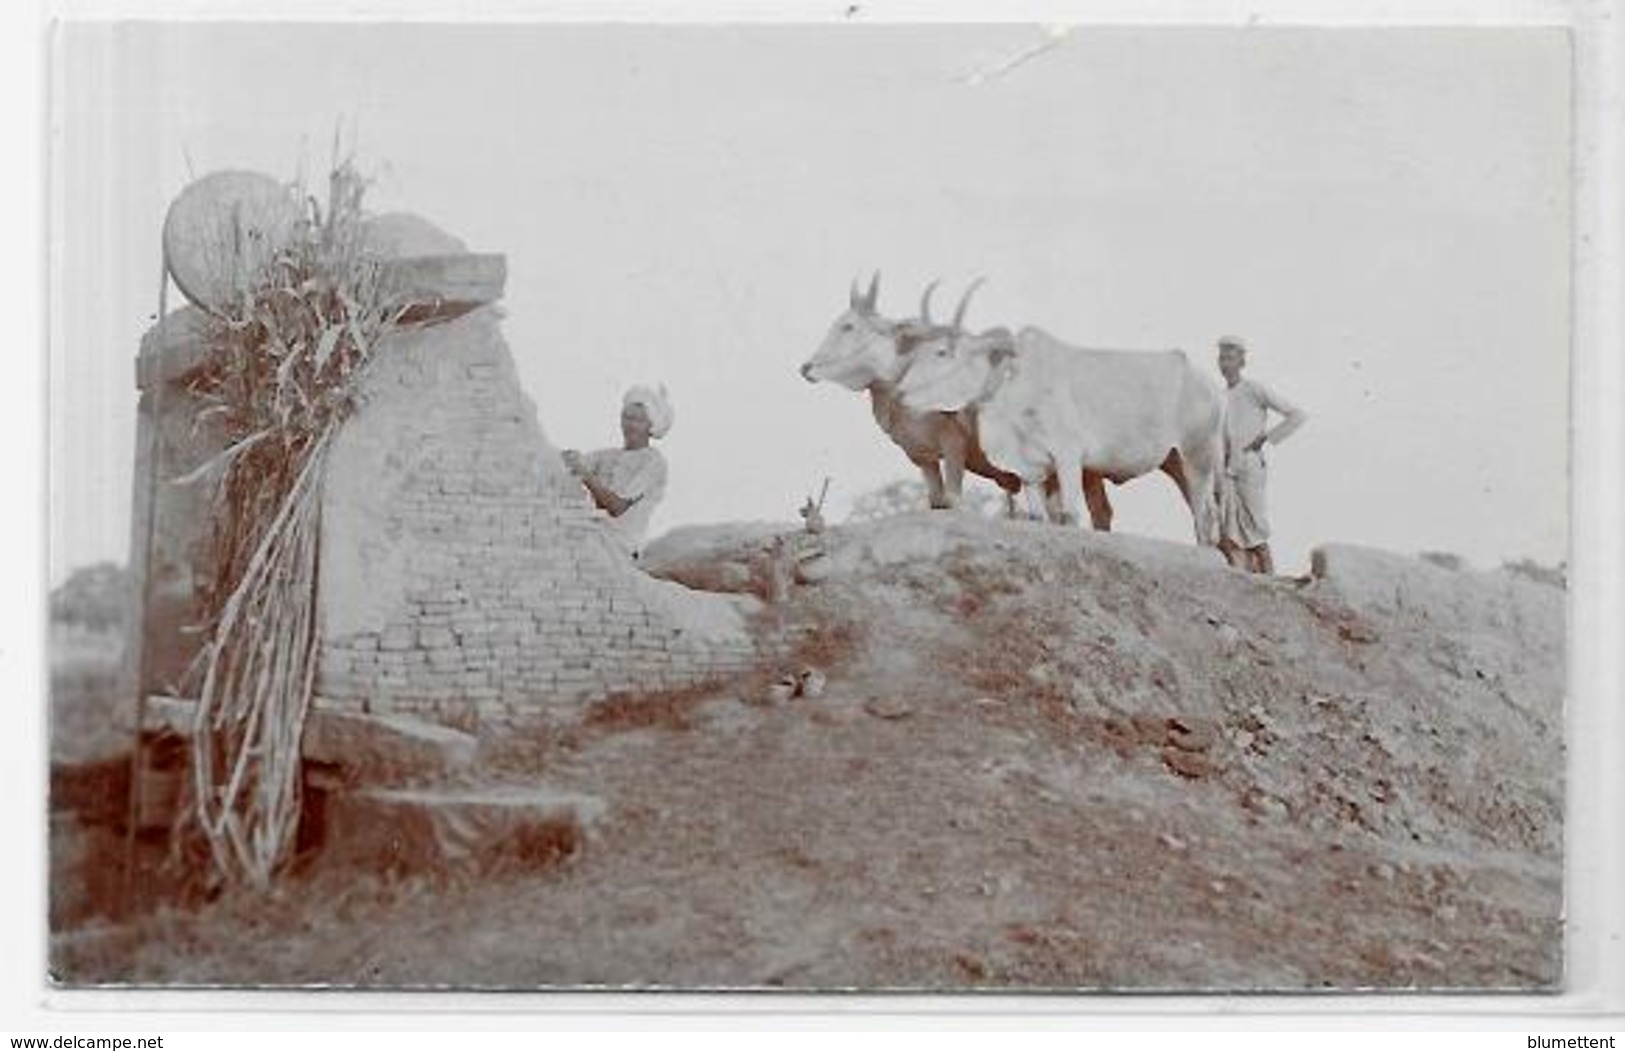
[(1382, 214)]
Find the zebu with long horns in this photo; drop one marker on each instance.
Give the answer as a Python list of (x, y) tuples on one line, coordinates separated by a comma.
[(866, 351), (1044, 407)]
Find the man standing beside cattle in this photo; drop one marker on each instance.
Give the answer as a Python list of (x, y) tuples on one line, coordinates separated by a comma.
[(1244, 528), (1041, 415)]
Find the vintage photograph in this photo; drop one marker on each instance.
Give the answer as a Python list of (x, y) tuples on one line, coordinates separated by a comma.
[(809, 507)]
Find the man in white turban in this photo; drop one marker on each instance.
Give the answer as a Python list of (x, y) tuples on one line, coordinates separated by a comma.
[(627, 483)]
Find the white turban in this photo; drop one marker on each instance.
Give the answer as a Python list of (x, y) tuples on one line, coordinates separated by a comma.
[(657, 403)]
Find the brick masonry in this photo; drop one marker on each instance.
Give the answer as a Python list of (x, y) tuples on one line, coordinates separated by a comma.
[(465, 576)]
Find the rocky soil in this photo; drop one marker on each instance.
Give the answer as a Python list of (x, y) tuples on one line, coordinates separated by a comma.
[(1039, 759)]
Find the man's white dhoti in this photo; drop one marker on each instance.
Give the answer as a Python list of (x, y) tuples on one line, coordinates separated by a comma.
[(1243, 510), (1243, 514)]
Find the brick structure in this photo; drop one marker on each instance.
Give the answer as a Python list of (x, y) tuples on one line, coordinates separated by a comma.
[(464, 575), (464, 572)]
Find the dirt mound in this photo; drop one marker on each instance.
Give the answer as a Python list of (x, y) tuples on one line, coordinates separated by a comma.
[(1383, 692), (1041, 758)]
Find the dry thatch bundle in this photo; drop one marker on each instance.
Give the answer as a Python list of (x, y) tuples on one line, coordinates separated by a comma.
[(286, 361)]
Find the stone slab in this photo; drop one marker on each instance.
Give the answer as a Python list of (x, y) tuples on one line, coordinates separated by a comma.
[(384, 749), (467, 280), (367, 749), (175, 714), (450, 831)]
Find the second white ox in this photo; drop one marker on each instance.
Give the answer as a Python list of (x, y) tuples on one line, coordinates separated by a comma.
[(1046, 407), (865, 351)]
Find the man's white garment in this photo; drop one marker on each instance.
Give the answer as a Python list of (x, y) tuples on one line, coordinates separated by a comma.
[(1243, 508), (638, 475)]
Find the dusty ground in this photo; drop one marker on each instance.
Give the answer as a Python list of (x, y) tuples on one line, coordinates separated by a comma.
[(1043, 759)]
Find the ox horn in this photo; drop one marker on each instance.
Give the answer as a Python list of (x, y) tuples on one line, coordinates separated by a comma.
[(852, 298), (925, 301), (964, 301), (872, 300)]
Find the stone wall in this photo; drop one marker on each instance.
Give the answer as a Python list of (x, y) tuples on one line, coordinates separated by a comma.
[(172, 565)]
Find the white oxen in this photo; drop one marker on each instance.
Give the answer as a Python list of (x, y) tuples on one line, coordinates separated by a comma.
[(1044, 406), (866, 351)]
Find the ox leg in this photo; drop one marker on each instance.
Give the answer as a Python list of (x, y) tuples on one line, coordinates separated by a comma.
[(1197, 478), (1174, 467), (934, 490), (953, 482), (1053, 507), (1071, 481), (954, 452), (1038, 501), (1094, 495), (1205, 505)]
